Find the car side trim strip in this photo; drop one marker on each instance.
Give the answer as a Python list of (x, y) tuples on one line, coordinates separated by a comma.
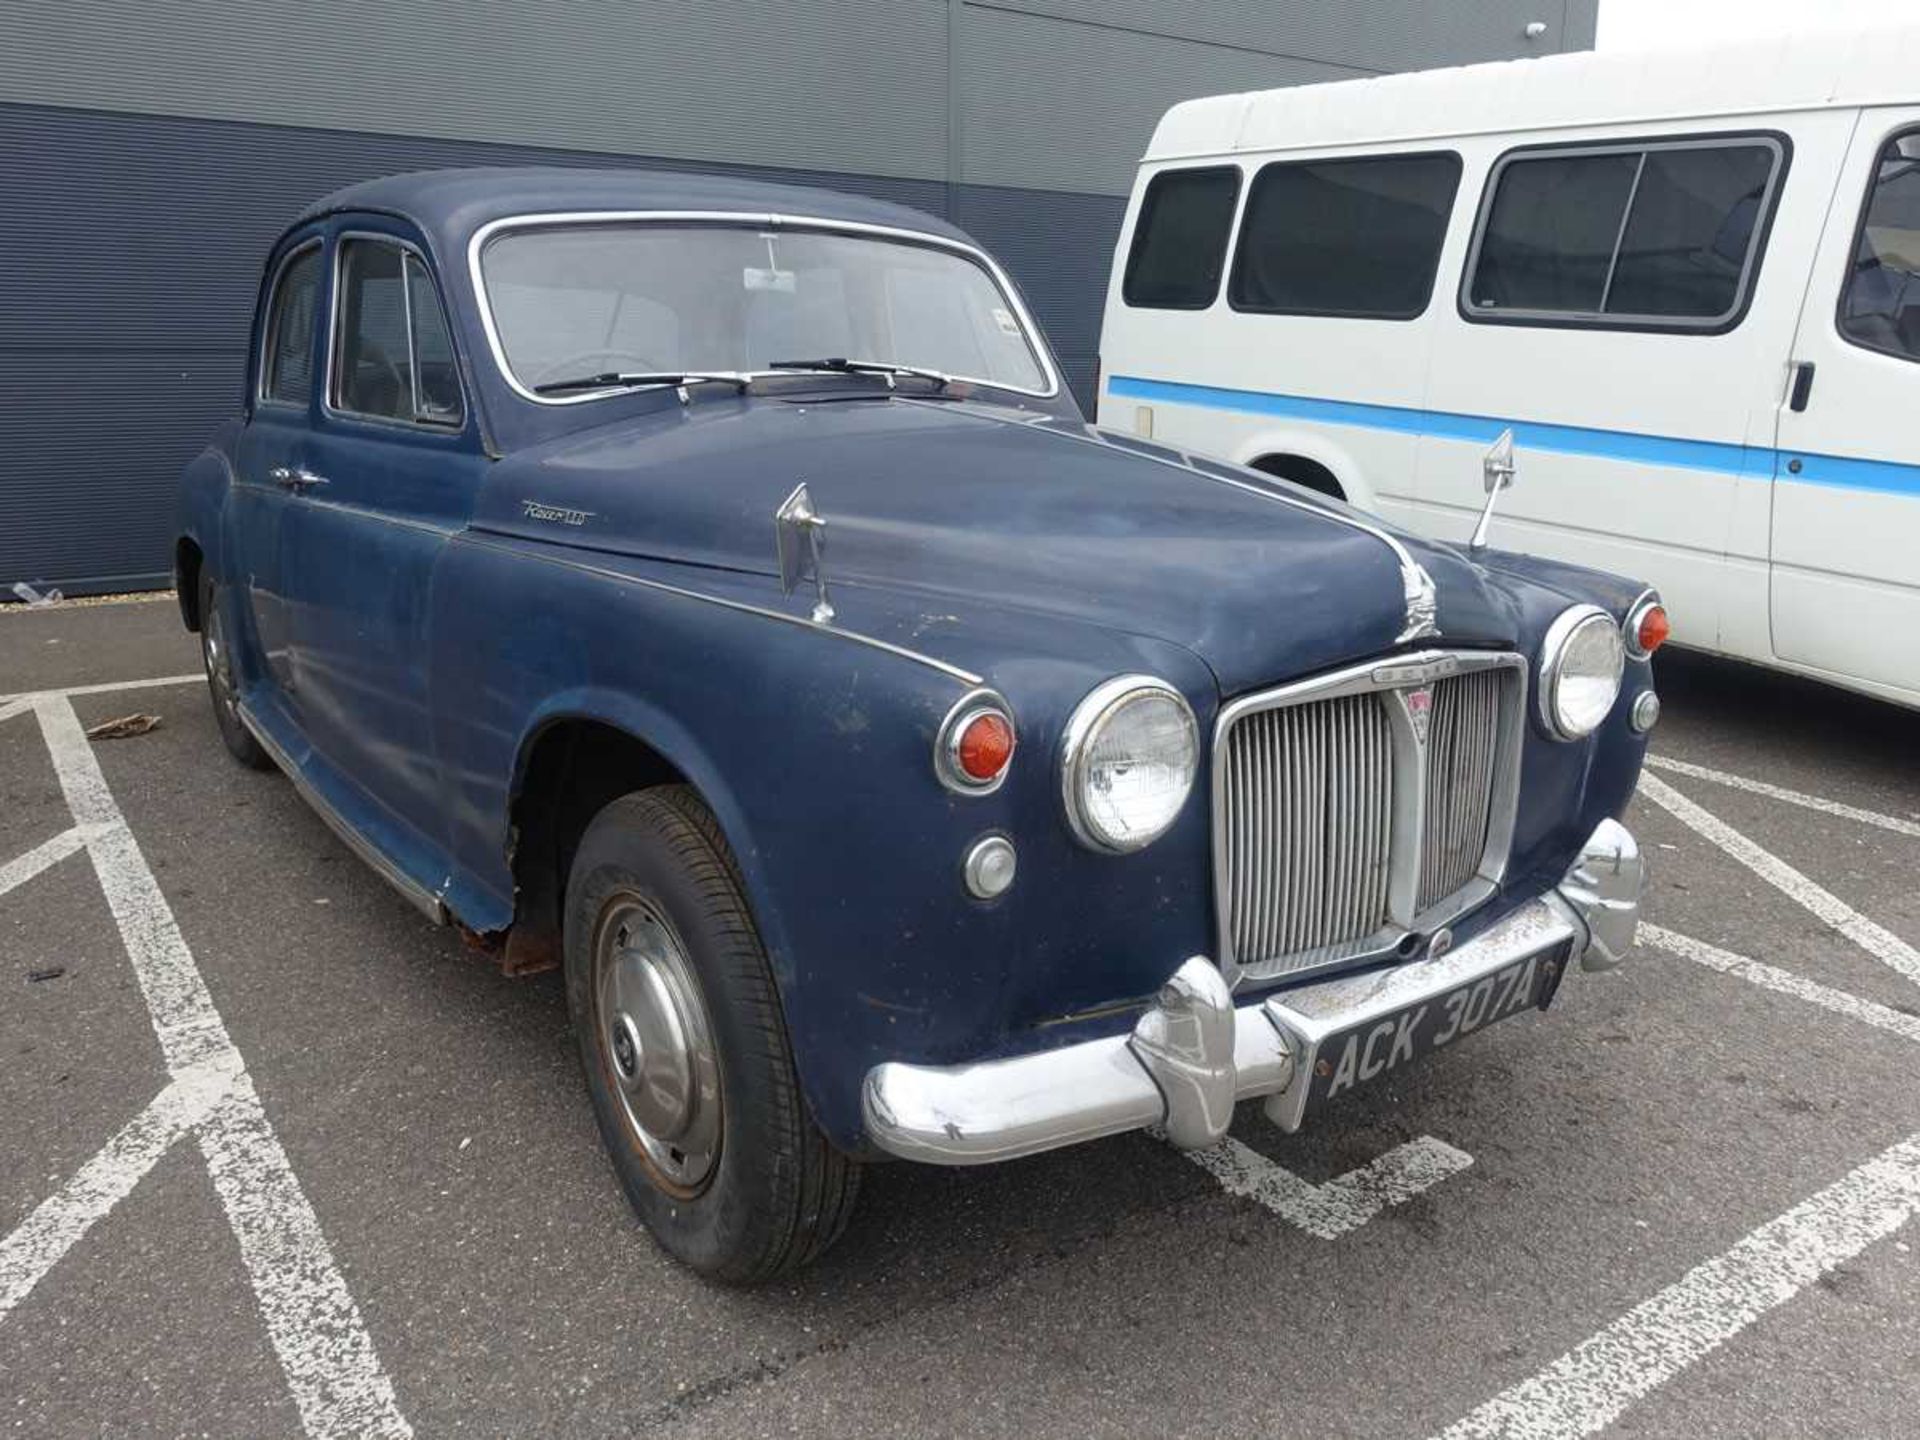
[(421, 898), (965, 677)]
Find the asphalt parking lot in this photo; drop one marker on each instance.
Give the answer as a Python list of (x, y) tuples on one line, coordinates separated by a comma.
[(278, 1157)]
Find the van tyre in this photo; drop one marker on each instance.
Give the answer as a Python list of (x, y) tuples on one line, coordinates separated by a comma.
[(223, 684), (685, 1047)]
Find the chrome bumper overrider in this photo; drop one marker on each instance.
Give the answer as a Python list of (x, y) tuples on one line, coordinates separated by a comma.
[(1194, 1053)]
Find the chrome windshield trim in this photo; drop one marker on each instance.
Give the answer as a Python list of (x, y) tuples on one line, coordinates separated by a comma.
[(500, 543), (1008, 292), (1384, 674)]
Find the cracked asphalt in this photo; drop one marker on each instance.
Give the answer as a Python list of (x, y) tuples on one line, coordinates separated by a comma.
[(433, 1114)]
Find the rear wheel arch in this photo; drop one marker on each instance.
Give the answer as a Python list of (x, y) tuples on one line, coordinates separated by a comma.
[(1302, 470)]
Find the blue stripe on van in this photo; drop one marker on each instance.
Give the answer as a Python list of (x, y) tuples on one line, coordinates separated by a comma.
[(1840, 470)]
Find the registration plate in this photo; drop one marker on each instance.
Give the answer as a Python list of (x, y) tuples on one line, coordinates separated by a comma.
[(1348, 1058)]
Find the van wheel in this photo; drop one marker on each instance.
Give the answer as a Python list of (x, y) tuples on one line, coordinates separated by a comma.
[(216, 657), (685, 1047)]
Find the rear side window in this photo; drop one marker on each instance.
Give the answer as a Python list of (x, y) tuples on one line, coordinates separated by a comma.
[(1345, 237), (1659, 236), (393, 355), (1180, 239), (1880, 307), (287, 375)]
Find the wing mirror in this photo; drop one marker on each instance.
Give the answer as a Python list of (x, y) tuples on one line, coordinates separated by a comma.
[(1499, 469)]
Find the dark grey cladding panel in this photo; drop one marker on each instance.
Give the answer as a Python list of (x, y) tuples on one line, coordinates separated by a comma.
[(140, 231), (90, 448), (132, 249)]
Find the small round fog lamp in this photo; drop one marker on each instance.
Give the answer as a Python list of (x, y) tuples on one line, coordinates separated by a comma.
[(989, 867)]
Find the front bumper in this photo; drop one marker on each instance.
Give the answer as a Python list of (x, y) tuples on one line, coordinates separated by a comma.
[(1194, 1054)]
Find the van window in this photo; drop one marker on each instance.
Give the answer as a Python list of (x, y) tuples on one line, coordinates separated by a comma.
[(1880, 307), (1180, 239), (1344, 237), (1656, 236)]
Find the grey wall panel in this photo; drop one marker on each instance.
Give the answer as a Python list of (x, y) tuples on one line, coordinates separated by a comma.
[(1058, 247), (1582, 23), (1378, 35), (1057, 105), (829, 84)]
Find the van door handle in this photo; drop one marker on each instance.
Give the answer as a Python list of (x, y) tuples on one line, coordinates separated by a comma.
[(1802, 386)]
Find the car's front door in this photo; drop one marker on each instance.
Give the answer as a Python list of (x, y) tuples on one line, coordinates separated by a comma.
[(271, 453), (393, 464), (1845, 594)]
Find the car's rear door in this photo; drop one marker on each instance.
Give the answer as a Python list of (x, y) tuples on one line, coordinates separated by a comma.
[(270, 453), (393, 464), (1845, 593)]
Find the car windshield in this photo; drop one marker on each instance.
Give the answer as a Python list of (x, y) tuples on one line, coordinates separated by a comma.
[(571, 302)]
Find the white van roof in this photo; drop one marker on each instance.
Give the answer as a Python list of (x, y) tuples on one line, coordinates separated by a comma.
[(1800, 72)]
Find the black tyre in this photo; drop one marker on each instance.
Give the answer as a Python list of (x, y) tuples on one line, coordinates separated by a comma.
[(685, 1047), (216, 656)]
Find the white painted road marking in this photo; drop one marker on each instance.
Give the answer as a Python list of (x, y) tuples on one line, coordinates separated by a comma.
[(1785, 982), (16, 873), (1878, 942), (12, 704), (1789, 797), (317, 1332), (105, 1180), (1342, 1204), (1594, 1383)]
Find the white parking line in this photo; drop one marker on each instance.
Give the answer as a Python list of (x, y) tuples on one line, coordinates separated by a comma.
[(1790, 797), (104, 1181), (1878, 942), (1594, 1383), (317, 1332), (13, 704), (1343, 1203), (1785, 982), (16, 873)]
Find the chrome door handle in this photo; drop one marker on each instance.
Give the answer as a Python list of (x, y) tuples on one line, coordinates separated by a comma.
[(295, 478)]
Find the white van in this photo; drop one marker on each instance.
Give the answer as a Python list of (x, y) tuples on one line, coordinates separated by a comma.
[(1689, 282)]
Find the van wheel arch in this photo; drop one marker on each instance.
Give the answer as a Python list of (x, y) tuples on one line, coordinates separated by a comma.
[(1302, 471)]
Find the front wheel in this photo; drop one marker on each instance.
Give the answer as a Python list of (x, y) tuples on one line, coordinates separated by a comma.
[(685, 1047), (216, 657)]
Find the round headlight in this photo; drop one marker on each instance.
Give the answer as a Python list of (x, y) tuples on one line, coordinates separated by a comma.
[(1580, 666), (1132, 751)]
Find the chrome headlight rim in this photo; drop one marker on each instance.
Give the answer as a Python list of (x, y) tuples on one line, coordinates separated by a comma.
[(1096, 708), (1553, 654)]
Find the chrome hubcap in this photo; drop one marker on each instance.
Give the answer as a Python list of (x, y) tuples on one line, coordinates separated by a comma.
[(658, 1045), (219, 667)]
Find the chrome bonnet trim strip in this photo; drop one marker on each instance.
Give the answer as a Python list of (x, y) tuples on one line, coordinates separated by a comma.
[(482, 539), (1009, 292)]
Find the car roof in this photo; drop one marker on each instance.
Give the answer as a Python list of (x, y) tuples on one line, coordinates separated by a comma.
[(1730, 77), (449, 205)]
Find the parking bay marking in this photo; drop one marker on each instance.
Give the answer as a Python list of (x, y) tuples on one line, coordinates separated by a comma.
[(25, 700), (1593, 1384), (1785, 796), (1877, 941), (316, 1329), (1344, 1203)]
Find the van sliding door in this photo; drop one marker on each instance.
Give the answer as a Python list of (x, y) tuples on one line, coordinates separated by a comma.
[(1846, 504)]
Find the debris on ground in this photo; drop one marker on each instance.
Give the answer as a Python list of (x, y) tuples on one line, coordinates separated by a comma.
[(33, 597), (50, 972), (123, 728)]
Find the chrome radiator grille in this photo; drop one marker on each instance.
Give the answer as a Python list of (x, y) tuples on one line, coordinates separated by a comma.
[(1351, 810), (1460, 759), (1309, 825)]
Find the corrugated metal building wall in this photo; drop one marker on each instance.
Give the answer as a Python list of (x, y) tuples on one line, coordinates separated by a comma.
[(149, 153)]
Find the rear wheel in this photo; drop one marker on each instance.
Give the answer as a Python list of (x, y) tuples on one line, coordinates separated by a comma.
[(685, 1047), (216, 657)]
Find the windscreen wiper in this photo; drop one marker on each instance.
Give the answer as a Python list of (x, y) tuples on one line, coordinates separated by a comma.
[(622, 379), (865, 367)]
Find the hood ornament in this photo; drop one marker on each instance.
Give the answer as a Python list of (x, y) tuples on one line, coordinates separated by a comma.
[(797, 540), (1499, 469)]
